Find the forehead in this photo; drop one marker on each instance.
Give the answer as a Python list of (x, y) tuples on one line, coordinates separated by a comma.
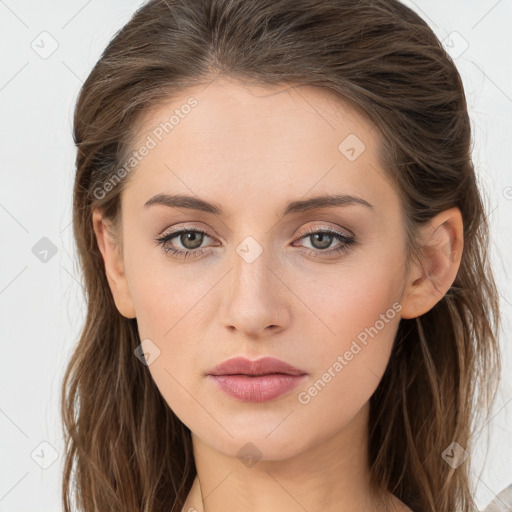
[(257, 143), (227, 107)]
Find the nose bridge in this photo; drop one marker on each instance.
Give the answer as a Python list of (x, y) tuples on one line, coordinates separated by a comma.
[(253, 299), (251, 275)]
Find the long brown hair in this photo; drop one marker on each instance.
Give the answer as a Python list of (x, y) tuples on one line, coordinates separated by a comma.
[(125, 448)]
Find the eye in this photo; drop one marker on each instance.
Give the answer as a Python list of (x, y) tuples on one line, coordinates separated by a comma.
[(192, 239), (322, 240)]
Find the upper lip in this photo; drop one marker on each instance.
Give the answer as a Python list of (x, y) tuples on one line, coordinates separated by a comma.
[(263, 366)]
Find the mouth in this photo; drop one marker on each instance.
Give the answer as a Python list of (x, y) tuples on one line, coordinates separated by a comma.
[(256, 381)]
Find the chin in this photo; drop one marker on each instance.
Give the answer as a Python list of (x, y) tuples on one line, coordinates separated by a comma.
[(252, 444)]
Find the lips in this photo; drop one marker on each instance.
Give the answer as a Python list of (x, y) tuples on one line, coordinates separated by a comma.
[(263, 366), (256, 381)]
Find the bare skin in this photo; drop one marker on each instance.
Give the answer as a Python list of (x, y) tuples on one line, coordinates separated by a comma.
[(251, 150)]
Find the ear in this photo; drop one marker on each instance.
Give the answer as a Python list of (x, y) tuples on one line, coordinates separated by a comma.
[(442, 242), (114, 266)]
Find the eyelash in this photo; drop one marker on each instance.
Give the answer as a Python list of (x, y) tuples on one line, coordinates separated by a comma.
[(345, 246)]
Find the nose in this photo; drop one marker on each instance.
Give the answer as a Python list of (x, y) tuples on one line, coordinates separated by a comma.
[(257, 301)]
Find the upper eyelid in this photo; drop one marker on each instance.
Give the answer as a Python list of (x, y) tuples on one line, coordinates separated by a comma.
[(327, 229), (184, 229)]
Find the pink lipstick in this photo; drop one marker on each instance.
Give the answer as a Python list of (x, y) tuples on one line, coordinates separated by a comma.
[(256, 381)]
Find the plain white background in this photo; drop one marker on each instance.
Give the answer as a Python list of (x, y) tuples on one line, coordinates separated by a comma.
[(41, 303)]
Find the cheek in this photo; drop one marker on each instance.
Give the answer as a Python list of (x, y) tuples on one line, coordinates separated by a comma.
[(163, 292), (356, 316), (174, 308), (347, 302), (167, 306)]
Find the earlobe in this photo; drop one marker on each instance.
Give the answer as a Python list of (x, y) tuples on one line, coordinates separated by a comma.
[(114, 266), (430, 279)]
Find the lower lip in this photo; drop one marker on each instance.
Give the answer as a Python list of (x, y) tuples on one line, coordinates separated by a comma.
[(257, 389)]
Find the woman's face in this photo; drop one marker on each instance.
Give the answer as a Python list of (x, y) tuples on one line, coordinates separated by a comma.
[(263, 281)]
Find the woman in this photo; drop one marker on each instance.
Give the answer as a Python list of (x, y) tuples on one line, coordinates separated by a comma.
[(285, 255)]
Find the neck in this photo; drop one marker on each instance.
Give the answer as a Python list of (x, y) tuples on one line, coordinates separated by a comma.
[(330, 476)]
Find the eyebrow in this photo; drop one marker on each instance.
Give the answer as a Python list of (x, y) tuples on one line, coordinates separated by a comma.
[(303, 205)]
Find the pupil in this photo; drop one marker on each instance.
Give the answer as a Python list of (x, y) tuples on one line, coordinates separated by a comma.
[(322, 236), (189, 237)]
